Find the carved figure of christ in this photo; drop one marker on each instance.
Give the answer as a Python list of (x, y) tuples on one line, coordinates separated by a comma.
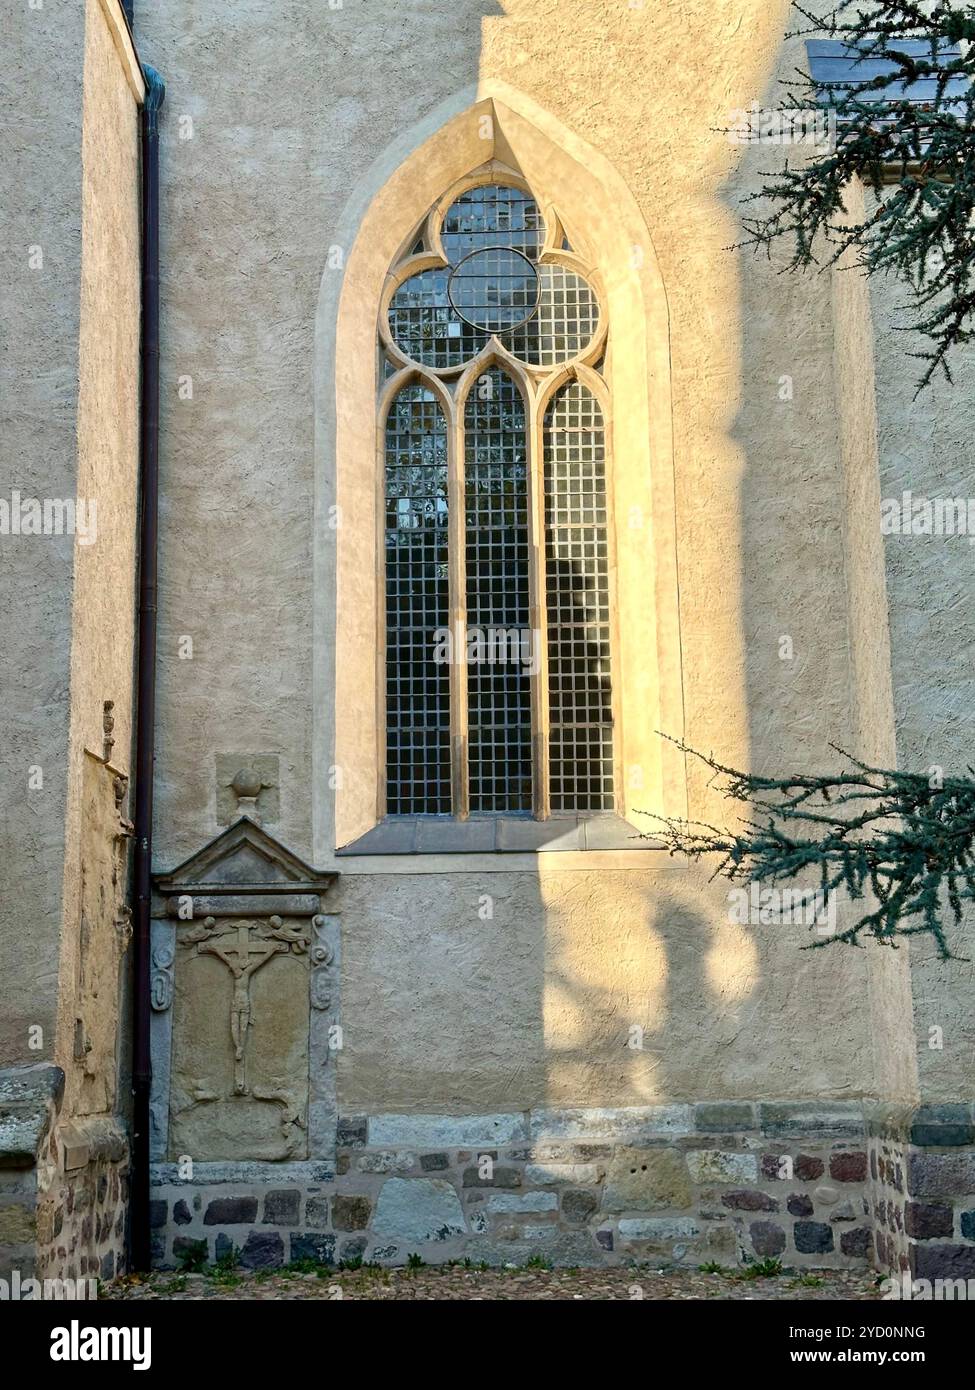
[(243, 956)]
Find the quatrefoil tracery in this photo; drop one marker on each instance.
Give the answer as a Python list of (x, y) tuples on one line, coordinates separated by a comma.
[(492, 274)]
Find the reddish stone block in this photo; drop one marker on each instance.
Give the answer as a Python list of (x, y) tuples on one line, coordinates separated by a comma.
[(848, 1167)]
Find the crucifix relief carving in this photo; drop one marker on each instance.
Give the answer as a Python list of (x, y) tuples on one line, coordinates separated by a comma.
[(244, 947), (242, 955)]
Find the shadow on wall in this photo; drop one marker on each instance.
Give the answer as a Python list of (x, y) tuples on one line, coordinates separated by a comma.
[(729, 1011), (721, 1005)]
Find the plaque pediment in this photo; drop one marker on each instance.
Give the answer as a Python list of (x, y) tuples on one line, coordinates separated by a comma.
[(244, 858)]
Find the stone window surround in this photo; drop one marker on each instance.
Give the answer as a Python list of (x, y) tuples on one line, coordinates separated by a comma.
[(446, 149)]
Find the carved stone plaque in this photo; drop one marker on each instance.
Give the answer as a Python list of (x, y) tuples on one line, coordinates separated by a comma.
[(241, 999), (240, 1075)]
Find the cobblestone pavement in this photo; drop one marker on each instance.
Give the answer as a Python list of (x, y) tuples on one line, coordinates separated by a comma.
[(456, 1282)]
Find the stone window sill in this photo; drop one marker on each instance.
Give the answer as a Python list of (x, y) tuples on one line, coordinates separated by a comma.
[(498, 835)]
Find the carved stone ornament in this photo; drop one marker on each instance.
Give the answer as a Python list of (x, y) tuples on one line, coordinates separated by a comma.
[(161, 980), (251, 968)]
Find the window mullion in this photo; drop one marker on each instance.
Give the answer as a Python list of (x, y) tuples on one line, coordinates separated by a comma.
[(457, 584), (537, 610)]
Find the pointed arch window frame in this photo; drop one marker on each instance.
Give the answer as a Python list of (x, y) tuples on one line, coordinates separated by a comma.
[(538, 386)]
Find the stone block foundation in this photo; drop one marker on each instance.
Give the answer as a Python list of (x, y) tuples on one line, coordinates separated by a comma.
[(676, 1184), (922, 1181), (63, 1183)]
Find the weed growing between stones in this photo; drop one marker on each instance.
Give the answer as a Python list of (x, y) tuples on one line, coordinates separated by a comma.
[(538, 1262), (193, 1257)]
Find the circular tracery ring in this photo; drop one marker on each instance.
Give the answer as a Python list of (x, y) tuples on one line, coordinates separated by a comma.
[(494, 289)]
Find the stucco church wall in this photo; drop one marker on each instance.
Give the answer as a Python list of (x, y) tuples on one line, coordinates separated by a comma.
[(256, 178), (507, 991), (888, 971), (72, 370), (925, 449), (40, 233)]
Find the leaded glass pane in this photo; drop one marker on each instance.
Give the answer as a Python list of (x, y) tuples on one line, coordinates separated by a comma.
[(492, 215), (442, 318), (423, 324), (544, 314), (577, 598), (563, 324), (417, 604), (497, 552)]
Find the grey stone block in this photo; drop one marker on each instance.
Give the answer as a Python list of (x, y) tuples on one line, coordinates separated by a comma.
[(262, 1250), (813, 1237), (418, 1210), (231, 1211), (31, 1086), (512, 1202), (945, 1126), (629, 1124), (316, 1213), (247, 1172), (941, 1175), (446, 1131), (713, 1166), (386, 1161), (555, 1174), (282, 1208), (434, 1163), (806, 1118), (943, 1261), (658, 1230), (577, 1207), (351, 1132), (723, 1117), (767, 1238), (319, 1248)]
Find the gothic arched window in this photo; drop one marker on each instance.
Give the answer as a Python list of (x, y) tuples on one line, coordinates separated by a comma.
[(498, 548)]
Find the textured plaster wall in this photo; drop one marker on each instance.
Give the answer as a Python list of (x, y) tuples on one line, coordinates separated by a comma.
[(925, 447), (70, 430), (40, 208), (855, 332), (516, 991), (443, 1008)]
